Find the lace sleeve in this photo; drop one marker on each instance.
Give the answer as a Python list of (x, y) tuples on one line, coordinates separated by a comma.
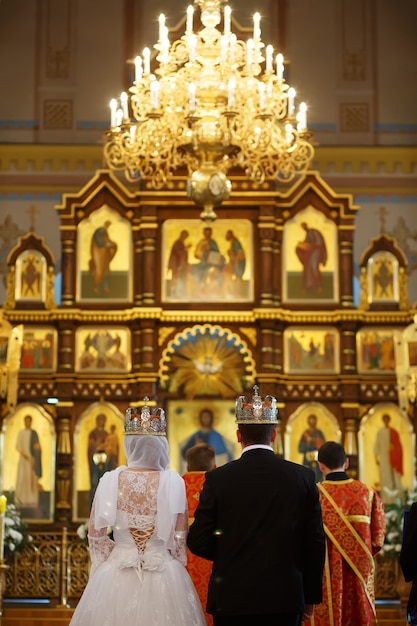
[(99, 543), (180, 538)]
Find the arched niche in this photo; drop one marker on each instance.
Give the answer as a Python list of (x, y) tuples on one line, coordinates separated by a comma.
[(383, 280), (30, 279), (370, 433), (108, 418), (36, 503), (295, 436)]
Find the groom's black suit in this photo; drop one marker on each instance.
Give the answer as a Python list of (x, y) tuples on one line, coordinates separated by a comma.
[(259, 521)]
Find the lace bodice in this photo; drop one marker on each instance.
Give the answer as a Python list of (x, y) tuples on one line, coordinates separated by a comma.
[(135, 522), (136, 505)]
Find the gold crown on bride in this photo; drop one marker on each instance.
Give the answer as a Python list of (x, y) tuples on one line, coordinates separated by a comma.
[(254, 410), (145, 420)]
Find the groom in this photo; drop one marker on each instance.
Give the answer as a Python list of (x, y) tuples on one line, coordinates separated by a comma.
[(259, 521)]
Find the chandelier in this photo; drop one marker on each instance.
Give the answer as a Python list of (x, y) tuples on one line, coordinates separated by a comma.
[(214, 103)]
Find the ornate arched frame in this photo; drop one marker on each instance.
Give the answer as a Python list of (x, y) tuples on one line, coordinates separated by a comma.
[(85, 424), (384, 248), (369, 425), (38, 280), (44, 425), (297, 423)]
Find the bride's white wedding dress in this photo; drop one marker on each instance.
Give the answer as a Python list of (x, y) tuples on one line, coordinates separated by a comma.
[(139, 579)]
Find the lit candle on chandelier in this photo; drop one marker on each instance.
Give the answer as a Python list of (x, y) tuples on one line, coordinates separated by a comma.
[(113, 109), (268, 60), (3, 502), (280, 66), (154, 94), (231, 93), (190, 13), (262, 97), (191, 92), (227, 20), (256, 26), (192, 46), (232, 47), (165, 46), (146, 61), (138, 69), (302, 117), (223, 48), (291, 99), (161, 20), (249, 52), (123, 102), (288, 133)]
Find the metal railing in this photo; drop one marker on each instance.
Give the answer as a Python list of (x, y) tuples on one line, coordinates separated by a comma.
[(55, 566)]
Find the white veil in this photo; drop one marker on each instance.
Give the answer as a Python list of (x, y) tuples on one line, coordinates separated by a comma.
[(146, 452)]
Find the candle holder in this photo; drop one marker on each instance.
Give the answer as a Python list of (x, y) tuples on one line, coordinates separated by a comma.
[(3, 568)]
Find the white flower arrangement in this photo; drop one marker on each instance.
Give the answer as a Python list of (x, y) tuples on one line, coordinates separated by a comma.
[(394, 517), (82, 531), (16, 535)]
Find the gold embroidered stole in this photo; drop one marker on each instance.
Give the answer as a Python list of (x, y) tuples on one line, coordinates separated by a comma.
[(335, 528)]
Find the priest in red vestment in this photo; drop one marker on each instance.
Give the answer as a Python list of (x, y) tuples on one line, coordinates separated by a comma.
[(200, 459), (354, 523)]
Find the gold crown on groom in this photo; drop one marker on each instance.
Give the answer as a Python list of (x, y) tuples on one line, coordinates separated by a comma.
[(145, 420), (254, 410)]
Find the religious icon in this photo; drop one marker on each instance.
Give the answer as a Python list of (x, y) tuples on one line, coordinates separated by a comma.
[(195, 421), (210, 263), (99, 448), (382, 277), (104, 257), (31, 276), (376, 350), (28, 472), (310, 259), (39, 348), (309, 349), (102, 349)]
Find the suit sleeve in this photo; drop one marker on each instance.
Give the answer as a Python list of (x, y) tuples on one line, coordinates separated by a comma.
[(202, 535), (408, 558)]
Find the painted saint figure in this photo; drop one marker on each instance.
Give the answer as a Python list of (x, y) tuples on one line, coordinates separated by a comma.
[(29, 468), (209, 270), (178, 264), (207, 434), (97, 443), (103, 250), (389, 457), (312, 253), (111, 448), (311, 441)]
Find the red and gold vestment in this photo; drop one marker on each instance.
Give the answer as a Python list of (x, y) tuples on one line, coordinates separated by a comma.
[(198, 568), (354, 523)]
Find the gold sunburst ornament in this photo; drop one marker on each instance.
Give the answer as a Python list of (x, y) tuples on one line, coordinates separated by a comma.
[(207, 361), (211, 103)]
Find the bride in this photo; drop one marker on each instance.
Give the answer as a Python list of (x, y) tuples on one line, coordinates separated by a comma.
[(139, 578)]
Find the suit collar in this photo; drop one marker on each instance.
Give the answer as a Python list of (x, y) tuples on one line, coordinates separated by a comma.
[(256, 446)]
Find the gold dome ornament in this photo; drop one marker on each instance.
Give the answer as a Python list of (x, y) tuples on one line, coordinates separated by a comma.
[(208, 190)]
